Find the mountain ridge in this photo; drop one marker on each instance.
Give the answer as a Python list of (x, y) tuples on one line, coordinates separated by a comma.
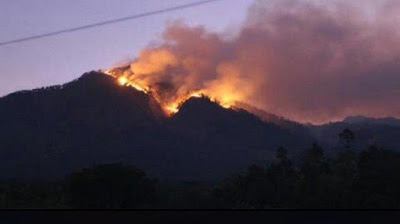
[(49, 132)]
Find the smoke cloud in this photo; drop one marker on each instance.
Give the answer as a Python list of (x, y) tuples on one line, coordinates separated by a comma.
[(310, 61)]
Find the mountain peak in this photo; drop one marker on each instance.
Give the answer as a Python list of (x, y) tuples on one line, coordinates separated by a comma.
[(201, 104)]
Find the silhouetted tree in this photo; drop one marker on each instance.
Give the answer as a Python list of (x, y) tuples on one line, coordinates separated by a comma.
[(261, 187), (283, 179), (313, 179), (283, 161), (313, 161), (31, 195), (110, 186), (344, 166), (347, 136), (378, 184)]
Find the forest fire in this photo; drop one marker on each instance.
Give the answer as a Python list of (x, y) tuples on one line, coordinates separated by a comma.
[(311, 75), (169, 104)]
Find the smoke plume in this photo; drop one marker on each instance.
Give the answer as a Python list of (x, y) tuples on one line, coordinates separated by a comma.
[(311, 61)]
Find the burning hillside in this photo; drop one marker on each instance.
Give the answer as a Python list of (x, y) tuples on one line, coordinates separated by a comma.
[(94, 120), (168, 97)]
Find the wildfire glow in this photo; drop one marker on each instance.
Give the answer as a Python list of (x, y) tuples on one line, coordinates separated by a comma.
[(139, 87), (170, 107), (172, 78), (270, 63), (122, 80), (196, 94)]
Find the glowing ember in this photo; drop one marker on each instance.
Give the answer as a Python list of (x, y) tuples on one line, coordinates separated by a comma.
[(172, 109), (196, 94), (138, 87), (122, 81)]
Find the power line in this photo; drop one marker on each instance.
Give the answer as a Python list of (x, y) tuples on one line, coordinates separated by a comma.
[(69, 30)]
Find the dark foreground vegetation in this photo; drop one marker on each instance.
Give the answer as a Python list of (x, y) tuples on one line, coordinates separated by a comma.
[(362, 180)]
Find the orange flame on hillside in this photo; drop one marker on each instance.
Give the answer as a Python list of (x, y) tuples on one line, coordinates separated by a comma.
[(172, 77), (170, 104), (169, 108)]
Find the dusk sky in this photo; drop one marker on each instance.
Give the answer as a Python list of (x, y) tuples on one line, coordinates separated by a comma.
[(59, 59), (310, 61)]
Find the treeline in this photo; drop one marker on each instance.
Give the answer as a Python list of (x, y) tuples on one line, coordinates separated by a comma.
[(359, 180), (369, 179)]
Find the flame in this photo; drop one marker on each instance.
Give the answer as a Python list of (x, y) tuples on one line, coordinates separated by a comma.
[(173, 79), (173, 107), (122, 80), (170, 107), (196, 94)]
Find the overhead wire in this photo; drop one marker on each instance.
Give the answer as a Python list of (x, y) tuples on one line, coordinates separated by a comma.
[(106, 22)]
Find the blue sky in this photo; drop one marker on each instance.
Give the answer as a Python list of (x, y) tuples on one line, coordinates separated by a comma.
[(59, 59)]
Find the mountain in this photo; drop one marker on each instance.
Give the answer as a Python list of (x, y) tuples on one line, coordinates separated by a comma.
[(368, 120), (383, 132), (227, 139), (49, 132), (268, 117), (368, 131), (280, 121)]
